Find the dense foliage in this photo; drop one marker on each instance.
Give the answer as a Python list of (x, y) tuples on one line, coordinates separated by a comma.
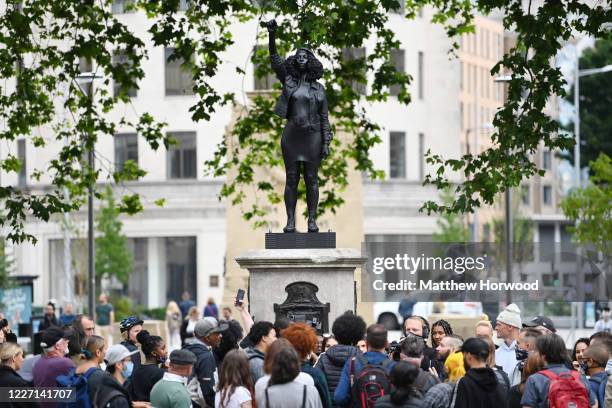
[(43, 41), (591, 209)]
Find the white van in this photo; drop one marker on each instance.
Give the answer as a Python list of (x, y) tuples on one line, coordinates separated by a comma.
[(386, 313)]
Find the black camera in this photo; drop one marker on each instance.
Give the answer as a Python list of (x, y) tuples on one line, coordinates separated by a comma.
[(3, 323), (395, 349)]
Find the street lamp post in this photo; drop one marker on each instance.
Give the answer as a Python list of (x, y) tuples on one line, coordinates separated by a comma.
[(88, 78)]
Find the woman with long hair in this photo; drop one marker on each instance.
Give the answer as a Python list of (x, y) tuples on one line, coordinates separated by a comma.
[(235, 388), (283, 391), (439, 330), (533, 364), (501, 375), (188, 326), (404, 394), (304, 340), (229, 341), (152, 369), (578, 352), (273, 350), (173, 321)]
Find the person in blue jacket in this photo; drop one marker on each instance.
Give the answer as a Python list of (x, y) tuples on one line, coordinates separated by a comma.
[(376, 341)]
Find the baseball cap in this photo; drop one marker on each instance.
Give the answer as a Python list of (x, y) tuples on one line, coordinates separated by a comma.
[(183, 357), (541, 321), (116, 353), (209, 325), (476, 346), (51, 336)]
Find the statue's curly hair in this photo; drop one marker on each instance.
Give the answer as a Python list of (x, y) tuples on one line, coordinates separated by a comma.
[(314, 67)]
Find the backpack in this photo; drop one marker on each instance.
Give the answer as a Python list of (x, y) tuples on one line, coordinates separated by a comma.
[(79, 382), (371, 383), (195, 391), (566, 390)]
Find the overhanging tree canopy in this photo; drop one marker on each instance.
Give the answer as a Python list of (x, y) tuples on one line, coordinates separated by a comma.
[(42, 41)]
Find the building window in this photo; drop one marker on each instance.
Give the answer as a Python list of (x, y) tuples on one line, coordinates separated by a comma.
[(421, 156), (121, 6), (397, 60), (85, 66), (21, 155), (181, 267), (525, 199), (486, 232), (268, 79), (356, 54), (474, 80), (421, 75), (547, 195), (213, 281), (179, 79), (397, 155), (546, 162), (184, 5), (126, 148), (401, 9), (182, 156), (120, 58)]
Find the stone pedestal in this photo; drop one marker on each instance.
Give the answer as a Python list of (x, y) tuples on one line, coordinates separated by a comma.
[(271, 270)]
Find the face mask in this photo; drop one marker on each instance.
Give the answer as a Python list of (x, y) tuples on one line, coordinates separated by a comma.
[(521, 354), (127, 369), (584, 366), (162, 360)]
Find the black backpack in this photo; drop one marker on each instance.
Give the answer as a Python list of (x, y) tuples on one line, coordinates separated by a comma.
[(371, 384)]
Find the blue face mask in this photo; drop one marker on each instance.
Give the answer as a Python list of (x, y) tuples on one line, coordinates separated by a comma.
[(127, 369)]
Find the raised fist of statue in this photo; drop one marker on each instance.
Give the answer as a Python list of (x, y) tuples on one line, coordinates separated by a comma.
[(270, 25)]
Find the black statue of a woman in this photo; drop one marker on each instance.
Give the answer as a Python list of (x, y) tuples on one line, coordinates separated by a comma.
[(307, 135)]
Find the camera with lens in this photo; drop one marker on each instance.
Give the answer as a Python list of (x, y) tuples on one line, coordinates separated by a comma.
[(395, 349)]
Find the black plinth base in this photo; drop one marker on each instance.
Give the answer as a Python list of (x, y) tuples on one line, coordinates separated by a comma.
[(300, 240)]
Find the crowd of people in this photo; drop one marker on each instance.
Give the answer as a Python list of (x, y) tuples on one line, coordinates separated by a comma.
[(285, 364)]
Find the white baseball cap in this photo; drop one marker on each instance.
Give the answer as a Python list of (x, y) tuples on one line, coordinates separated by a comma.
[(117, 353)]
